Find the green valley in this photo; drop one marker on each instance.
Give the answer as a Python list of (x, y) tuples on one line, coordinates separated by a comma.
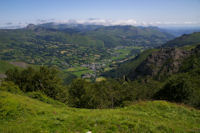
[(68, 48), (99, 66), (51, 85)]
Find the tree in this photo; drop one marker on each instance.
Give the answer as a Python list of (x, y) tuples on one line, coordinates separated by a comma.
[(77, 93), (45, 79), (178, 89)]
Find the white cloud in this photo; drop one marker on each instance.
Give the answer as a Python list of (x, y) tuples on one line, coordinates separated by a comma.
[(110, 22), (190, 22), (106, 22)]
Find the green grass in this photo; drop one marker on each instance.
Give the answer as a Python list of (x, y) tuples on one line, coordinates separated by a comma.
[(124, 52), (78, 71), (189, 39), (22, 114), (65, 75), (78, 68), (188, 47), (4, 66), (127, 67), (100, 79)]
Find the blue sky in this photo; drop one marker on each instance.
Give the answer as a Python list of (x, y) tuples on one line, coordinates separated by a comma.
[(139, 12)]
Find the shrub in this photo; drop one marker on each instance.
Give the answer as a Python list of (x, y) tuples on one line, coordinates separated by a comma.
[(10, 87), (45, 80), (181, 88), (42, 97)]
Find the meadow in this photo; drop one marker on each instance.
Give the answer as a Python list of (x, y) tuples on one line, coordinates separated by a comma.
[(20, 113)]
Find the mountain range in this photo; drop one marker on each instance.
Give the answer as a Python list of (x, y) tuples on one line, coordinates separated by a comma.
[(63, 45)]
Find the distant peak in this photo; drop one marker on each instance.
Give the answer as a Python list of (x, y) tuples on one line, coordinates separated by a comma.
[(31, 26)]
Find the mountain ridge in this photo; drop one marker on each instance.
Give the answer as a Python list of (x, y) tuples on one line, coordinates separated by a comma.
[(159, 62)]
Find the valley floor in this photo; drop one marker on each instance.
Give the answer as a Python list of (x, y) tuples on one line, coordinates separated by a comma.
[(21, 114)]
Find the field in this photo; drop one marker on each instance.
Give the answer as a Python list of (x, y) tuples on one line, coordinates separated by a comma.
[(100, 79), (78, 71), (116, 55), (19, 113), (123, 53)]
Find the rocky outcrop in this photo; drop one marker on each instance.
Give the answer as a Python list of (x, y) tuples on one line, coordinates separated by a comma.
[(161, 63), (31, 27)]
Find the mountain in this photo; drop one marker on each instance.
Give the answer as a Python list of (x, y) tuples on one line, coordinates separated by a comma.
[(64, 47), (165, 62), (38, 45), (117, 35), (186, 39), (123, 69), (130, 35), (160, 63), (179, 31), (170, 73), (76, 27)]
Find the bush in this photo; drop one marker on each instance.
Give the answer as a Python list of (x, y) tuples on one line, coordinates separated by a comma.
[(109, 94), (181, 88), (45, 80), (77, 93), (10, 87), (42, 97)]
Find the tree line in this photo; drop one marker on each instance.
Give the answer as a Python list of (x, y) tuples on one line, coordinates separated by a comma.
[(111, 93)]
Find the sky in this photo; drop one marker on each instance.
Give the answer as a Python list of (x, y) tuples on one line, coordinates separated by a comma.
[(107, 12)]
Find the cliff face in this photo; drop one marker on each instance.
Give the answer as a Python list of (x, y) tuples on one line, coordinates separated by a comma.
[(161, 63), (173, 57)]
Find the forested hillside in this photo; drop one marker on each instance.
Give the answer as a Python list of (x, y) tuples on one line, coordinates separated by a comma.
[(169, 73), (113, 36), (186, 39), (130, 35), (123, 69)]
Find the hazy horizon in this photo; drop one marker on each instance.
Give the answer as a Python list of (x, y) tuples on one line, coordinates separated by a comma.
[(161, 13)]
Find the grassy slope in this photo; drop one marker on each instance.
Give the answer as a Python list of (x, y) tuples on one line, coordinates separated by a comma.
[(189, 39), (126, 67), (22, 114), (4, 66), (78, 71)]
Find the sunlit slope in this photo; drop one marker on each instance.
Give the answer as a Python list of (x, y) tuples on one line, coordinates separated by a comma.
[(20, 113)]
